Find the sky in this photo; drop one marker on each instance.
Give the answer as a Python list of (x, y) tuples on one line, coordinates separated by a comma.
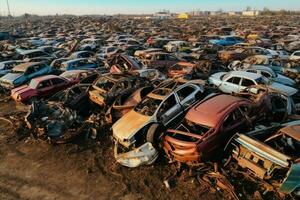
[(81, 7)]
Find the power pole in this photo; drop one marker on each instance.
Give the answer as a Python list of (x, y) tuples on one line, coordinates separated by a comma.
[(9, 14)]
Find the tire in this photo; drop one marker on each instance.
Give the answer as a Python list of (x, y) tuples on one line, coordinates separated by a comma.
[(153, 134)]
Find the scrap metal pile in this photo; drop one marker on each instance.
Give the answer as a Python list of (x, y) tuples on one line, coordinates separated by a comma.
[(194, 92)]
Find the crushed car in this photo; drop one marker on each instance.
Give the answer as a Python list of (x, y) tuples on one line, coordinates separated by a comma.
[(274, 160), (104, 91), (206, 129), (53, 122), (137, 133)]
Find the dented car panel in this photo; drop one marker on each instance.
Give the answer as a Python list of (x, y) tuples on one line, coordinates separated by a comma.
[(206, 128)]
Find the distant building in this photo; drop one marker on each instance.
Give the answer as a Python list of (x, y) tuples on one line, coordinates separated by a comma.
[(251, 13), (162, 15), (183, 16)]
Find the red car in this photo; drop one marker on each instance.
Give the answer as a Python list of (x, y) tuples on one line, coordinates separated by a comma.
[(207, 128), (41, 87)]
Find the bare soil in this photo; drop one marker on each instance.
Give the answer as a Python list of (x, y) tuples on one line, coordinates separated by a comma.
[(84, 169)]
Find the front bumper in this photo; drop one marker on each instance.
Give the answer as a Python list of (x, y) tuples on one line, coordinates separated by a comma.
[(143, 155)]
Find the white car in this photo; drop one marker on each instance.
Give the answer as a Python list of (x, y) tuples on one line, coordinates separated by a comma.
[(270, 74), (106, 52), (295, 55), (238, 81)]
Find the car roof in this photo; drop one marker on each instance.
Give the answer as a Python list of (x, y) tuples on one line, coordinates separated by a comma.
[(75, 60), (212, 110), (24, 52), (24, 66), (262, 67), (186, 64), (46, 77), (244, 74)]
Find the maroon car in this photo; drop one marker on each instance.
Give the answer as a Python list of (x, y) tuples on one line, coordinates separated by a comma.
[(41, 87), (206, 129)]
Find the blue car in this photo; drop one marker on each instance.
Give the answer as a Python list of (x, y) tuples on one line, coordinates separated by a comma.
[(6, 66), (23, 73), (227, 41), (80, 63)]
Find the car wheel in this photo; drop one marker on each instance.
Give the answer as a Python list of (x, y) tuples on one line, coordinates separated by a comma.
[(154, 134)]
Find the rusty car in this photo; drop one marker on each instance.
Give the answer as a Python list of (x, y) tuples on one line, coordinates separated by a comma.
[(108, 87), (206, 129), (138, 132)]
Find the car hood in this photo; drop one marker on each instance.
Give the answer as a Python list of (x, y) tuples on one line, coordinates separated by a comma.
[(11, 77), (217, 76), (215, 41), (285, 80), (22, 89), (289, 91), (128, 125)]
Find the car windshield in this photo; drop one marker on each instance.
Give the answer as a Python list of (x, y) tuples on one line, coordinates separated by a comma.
[(262, 81), (191, 127), (33, 84), (69, 75), (148, 106), (105, 84), (17, 71), (225, 76)]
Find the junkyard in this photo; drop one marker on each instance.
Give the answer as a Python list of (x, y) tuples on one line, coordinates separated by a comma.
[(150, 107)]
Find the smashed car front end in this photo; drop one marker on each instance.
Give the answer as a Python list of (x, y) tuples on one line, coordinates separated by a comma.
[(182, 146)]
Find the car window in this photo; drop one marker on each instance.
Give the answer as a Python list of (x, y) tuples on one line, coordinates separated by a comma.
[(266, 74), (234, 80), (161, 57), (172, 58), (44, 84), (297, 54), (122, 86), (247, 82), (168, 104), (185, 92), (30, 70), (251, 70), (38, 67), (234, 117), (57, 81), (276, 63)]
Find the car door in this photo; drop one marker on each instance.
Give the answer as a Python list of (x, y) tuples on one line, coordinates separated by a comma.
[(30, 73), (44, 88), (228, 126), (58, 84), (38, 70), (77, 98), (169, 110), (246, 83), (230, 85), (122, 87), (187, 96)]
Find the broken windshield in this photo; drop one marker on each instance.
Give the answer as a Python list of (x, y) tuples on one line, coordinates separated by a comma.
[(148, 106)]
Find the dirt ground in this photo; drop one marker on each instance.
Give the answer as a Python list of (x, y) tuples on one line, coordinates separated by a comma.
[(84, 169)]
